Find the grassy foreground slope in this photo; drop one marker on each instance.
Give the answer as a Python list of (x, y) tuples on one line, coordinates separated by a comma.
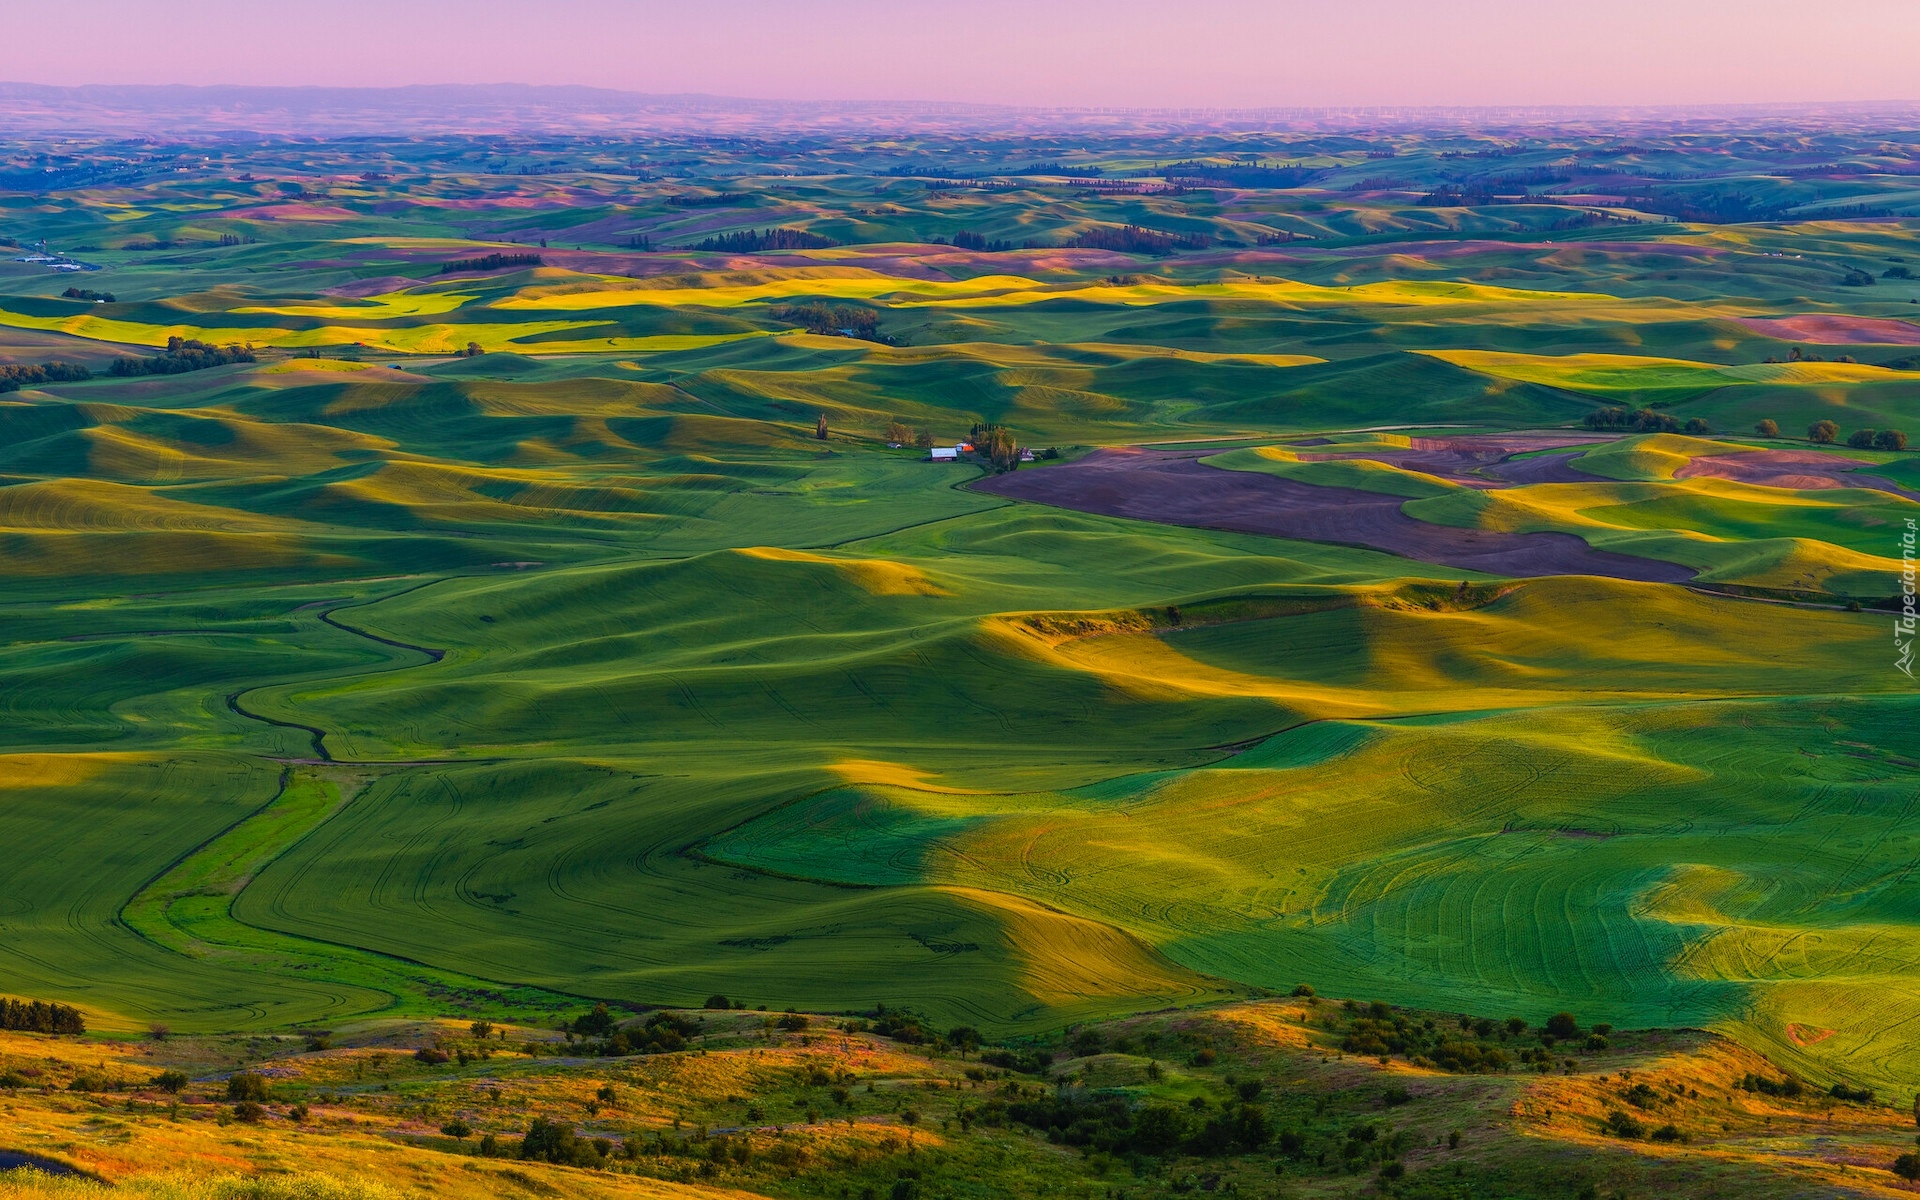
[(1304, 1095)]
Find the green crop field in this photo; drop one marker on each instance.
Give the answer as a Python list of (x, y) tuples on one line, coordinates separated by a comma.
[(490, 640)]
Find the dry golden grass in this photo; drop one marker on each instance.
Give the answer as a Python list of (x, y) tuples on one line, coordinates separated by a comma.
[(136, 1138), (1838, 1146)]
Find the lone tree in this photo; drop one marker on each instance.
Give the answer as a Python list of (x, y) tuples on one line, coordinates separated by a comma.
[(1767, 428), (1862, 439), (598, 1023), (1823, 432), (1890, 439), (820, 430)]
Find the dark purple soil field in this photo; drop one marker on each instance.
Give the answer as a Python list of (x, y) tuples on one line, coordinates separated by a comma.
[(1171, 487)]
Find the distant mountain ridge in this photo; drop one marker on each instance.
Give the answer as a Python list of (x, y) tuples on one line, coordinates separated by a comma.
[(225, 110)]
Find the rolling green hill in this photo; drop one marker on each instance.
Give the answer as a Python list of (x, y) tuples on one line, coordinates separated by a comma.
[(500, 638)]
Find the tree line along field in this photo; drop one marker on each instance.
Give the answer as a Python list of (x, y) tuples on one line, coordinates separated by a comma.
[(530, 610)]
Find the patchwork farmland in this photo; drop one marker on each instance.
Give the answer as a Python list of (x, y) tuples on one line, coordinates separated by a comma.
[(483, 641)]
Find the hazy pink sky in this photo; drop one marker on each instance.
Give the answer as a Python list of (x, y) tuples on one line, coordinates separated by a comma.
[(1237, 53)]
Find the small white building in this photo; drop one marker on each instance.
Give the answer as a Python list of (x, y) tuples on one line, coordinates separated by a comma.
[(944, 454)]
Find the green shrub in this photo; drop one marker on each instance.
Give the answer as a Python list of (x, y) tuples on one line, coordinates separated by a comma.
[(1624, 1125)]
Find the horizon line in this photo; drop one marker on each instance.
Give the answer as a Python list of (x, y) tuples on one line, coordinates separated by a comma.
[(1887, 103)]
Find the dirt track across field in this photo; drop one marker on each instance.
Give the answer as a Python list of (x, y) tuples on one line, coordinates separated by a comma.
[(1173, 488)]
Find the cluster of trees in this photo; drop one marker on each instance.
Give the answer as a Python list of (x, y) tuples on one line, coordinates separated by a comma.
[(966, 239), (1644, 420), (717, 200), (662, 1033), (1825, 433), (556, 1142), (1877, 439), (847, 320), (1622, 1124), (181, 355), (1787, 1086), (38, 1016), (1478, 194), (492, 262), (748, 241), (1108, 1124), (995, 444), (898, 1024), (1707, 208), (1136, 239), (1478, 1046), (473, 350), (1238, 176), (899, 433), (1027, 1062), (14, 376), (74, 293)]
